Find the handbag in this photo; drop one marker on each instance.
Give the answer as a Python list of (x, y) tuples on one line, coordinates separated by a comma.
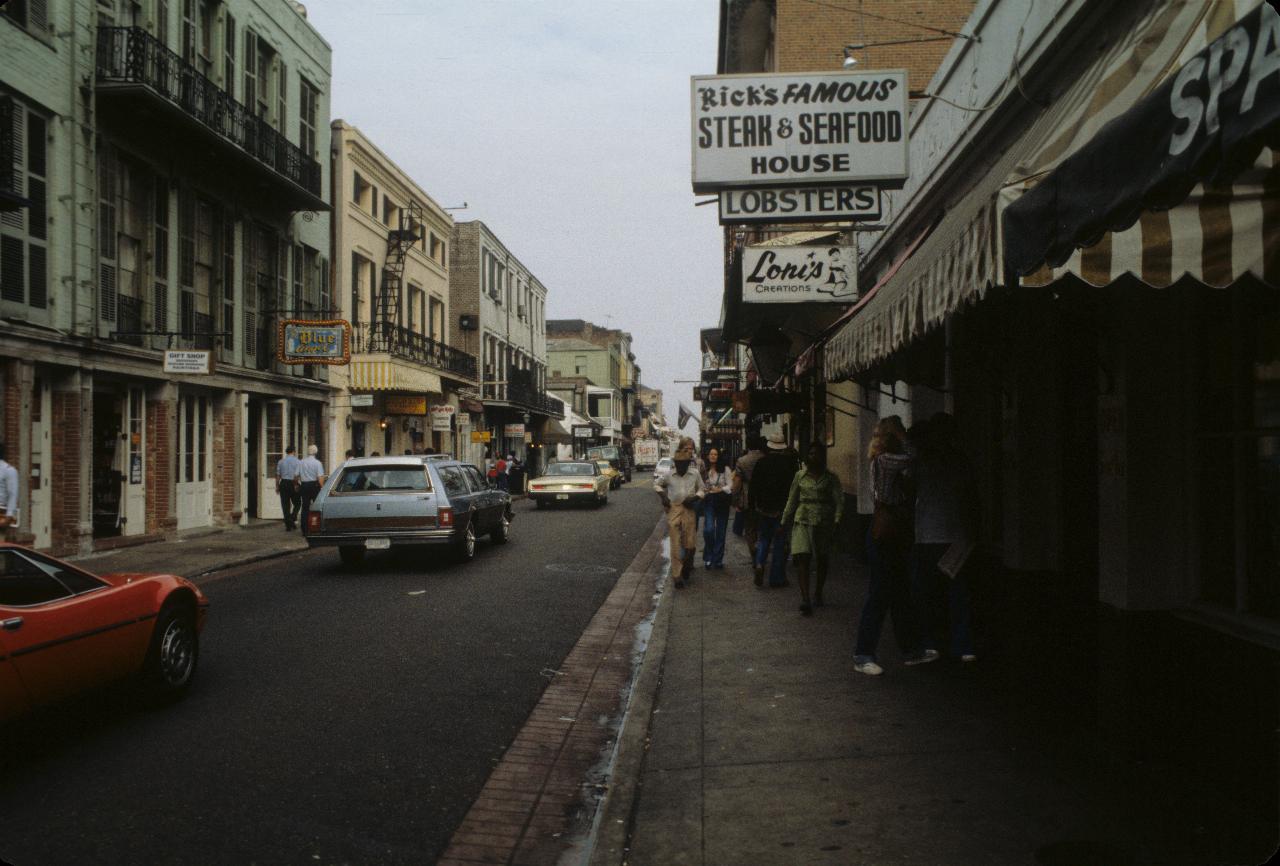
[(886, 523)]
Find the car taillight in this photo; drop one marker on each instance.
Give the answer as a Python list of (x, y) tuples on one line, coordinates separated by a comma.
[(586, 486), (444, 516), (313, 521)]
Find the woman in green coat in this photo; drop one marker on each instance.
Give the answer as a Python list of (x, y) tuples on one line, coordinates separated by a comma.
[(813, 511)]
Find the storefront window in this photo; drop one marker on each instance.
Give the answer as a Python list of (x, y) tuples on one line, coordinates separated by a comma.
[(1238, 458)]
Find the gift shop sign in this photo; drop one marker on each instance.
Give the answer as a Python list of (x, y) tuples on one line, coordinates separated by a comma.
[(195, 361), (794, 130), (798, 275)]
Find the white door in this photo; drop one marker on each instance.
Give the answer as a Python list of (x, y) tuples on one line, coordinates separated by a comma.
[(41, 466), (195, 491), (275, 435), (135, 487)]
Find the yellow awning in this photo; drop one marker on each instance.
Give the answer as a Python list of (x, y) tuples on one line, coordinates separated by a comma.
[(386, 374)]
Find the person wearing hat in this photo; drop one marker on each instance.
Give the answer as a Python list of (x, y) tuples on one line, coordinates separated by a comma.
[(680, 492), (770, 483)]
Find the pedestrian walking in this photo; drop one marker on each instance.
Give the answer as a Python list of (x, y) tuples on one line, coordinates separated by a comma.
[(500, 474), (680, 492), (815, 504), (715, 510), (310, 476), (8, 497), (744, 518), (888, 547), (288, 488), (945, 534), (770, 484)]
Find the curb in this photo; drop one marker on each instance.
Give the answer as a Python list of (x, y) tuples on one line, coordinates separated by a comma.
[(615, 817), (247, 560)]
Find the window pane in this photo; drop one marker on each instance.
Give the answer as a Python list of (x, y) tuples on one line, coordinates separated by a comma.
[(1264, 530), (22, 583), (367, 479), (1217, 522)]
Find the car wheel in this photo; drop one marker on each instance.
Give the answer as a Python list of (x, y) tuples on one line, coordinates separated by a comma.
[(500, 533), (170, 665), (351, 555), (466, 549)]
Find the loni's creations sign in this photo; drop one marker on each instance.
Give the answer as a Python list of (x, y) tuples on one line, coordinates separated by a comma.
[(799, 275), (808, 204), (314, 342), (790, 130)]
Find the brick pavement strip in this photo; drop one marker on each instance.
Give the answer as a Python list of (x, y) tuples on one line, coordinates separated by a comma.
[(540, 797)]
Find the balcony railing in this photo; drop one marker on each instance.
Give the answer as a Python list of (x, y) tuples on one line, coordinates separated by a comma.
[(131, 55), (532, 398), (402, 343)]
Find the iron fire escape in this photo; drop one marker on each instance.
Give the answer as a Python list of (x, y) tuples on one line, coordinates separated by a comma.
[(386, 334)]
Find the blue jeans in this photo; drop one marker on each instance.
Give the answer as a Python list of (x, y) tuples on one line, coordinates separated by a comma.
[(715, 525), (929, 586), (888, 592), (769, 537)]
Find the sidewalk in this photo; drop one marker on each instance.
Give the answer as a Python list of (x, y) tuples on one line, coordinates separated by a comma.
[(198, 552), (763, 746)]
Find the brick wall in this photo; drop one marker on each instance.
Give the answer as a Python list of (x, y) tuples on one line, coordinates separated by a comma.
[(464, 288), (12, 405), (67, 474), (812, 38), (226, 426), (159, 457)]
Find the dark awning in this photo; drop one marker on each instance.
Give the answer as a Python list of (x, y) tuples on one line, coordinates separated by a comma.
[(1207, 123)]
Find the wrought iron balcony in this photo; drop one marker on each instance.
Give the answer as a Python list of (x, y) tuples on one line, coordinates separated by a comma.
[(533, 399), (400, 342), (132, 56), (129, 325)]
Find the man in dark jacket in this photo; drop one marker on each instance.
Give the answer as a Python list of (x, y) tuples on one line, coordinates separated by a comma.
[(770, 483)]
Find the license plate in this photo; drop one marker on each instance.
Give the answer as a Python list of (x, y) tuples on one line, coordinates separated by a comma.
[(562, 496), (377, 543)]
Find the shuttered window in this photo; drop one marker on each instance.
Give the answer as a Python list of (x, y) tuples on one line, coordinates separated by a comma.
[(24, 232)]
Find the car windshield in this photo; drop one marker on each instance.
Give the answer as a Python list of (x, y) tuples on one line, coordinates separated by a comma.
[(381, 478), (604, 464), (571, 469), (604, 452)]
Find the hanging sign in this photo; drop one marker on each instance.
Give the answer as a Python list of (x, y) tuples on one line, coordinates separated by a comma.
[(807, 204), (399, 404), (193, 361), (798, 275), (302, 341), (514, 431), (481, 436), (789, 130), (358, 400), (442, 417)]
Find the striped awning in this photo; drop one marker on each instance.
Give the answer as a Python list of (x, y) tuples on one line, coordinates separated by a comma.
[(1215, 233), (1219, 232), (386, 374)]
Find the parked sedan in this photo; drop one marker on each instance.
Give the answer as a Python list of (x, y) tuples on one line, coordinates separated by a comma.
[(64, 630), (375, 503), (570, 481)]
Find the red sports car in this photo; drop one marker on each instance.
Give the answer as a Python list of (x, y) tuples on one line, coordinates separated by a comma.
[(64, 630)]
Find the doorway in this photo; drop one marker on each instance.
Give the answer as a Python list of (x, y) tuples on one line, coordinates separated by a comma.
[(254, 458), (108, 464), (41, 464), (195, 444)]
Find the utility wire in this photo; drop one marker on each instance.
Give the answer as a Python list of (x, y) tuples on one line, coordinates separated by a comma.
[(891, 20)]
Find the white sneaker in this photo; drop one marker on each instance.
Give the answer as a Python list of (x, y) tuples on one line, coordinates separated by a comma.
[(869, 668), (968, 657), (924, 658)]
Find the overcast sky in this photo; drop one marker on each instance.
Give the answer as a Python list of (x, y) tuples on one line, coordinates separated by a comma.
[(564, 125)]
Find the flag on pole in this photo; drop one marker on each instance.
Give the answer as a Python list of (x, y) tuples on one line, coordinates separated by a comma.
[(685, 416)]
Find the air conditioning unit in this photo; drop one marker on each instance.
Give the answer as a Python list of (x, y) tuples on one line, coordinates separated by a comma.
[(520, 311)]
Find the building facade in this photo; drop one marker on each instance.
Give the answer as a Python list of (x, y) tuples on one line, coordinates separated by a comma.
[(1096, 307), (501, 310), (604, 356), (121, 246), (407, 385)]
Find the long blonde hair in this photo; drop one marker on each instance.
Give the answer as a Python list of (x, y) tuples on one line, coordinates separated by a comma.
[(889, 437)]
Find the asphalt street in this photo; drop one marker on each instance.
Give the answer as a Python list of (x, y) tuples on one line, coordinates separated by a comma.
[(339, 716)]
